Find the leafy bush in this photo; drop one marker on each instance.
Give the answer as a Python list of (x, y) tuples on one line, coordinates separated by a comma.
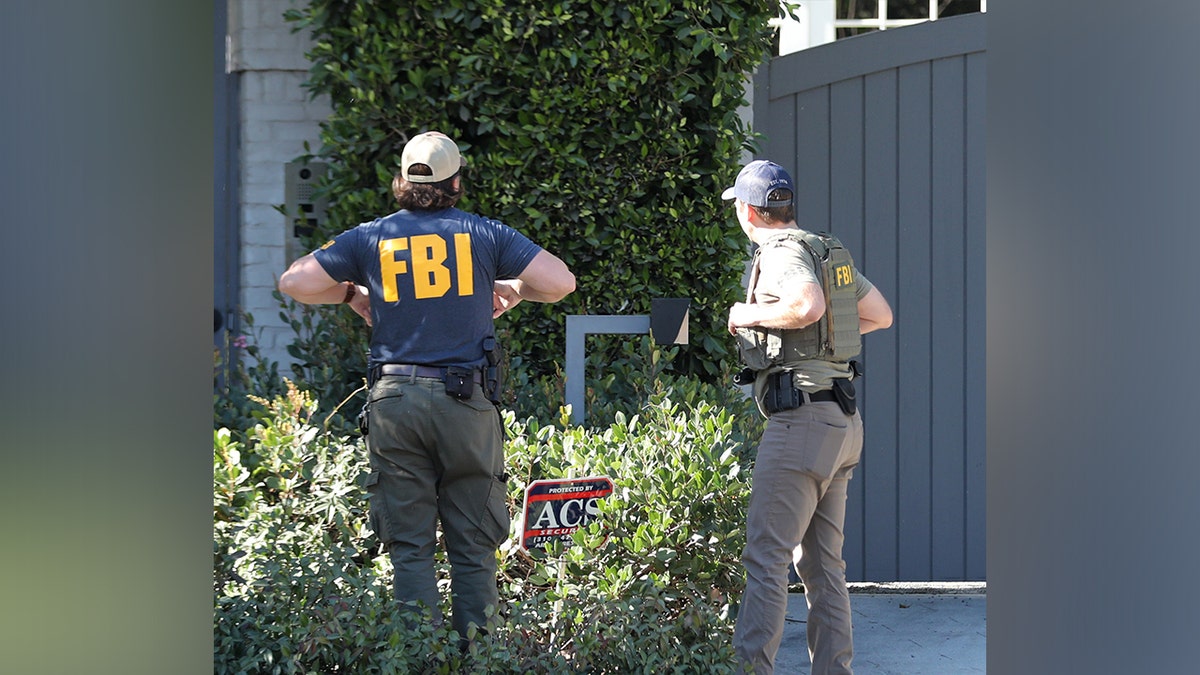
[(300, 584), (249, 376), (603, 131), (323, 342)]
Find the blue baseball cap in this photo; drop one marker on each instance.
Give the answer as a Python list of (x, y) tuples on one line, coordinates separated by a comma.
[(755, 182)]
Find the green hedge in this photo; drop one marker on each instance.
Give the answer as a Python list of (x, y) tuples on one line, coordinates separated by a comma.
[(604, 131), (300, 584)]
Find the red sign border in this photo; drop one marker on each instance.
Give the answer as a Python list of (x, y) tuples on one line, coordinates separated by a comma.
[(558, 481)]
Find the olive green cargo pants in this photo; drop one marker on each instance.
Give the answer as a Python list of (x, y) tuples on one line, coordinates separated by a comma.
[(434, 457)]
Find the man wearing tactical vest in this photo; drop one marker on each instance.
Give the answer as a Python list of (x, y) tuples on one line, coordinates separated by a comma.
[(806, 308), (430, 279)]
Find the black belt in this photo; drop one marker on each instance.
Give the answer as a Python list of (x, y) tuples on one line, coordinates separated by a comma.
[(419, 371), (822, 395), (781, 394)]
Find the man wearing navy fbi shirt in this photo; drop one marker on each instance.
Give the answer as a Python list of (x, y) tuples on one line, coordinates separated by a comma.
[(430, 279)]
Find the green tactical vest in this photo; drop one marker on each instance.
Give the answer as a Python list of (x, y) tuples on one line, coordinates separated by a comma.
[(835, 336)]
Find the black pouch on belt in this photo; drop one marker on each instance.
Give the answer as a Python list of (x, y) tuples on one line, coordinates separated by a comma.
[(780, 393), (843, 391), (460, 382)]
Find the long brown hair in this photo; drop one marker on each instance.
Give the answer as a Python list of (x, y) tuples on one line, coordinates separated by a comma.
[(425, 196)]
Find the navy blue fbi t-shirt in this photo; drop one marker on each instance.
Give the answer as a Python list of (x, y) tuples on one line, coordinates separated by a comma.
[(430, 276)]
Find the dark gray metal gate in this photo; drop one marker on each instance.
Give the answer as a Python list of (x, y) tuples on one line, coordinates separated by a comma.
[(884, 134), (226, 225)]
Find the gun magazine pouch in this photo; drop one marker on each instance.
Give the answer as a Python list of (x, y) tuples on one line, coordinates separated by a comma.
[(780, 393)]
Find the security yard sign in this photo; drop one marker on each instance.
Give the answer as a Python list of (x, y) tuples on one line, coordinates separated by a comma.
[(554, 509)]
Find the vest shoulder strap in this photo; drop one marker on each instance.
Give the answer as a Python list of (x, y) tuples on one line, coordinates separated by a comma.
[(818, 244)]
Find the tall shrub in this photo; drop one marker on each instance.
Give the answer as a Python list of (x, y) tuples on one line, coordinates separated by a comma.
[(604, 131)]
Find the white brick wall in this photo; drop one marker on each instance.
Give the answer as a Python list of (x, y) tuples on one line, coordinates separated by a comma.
[(276, 118)]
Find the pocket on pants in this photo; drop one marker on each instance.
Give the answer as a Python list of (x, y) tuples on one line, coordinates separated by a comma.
[(477, 402), (494, 522), (821, 454), (377, 511)]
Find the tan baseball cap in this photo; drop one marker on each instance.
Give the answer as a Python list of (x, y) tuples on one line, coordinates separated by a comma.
[(435, 150)]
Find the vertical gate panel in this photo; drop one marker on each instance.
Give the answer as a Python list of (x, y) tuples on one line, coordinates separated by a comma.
[(845, 219), (878, 261), (811, 168), (947, 295), (976, 365), (913, 319), (780, 128)]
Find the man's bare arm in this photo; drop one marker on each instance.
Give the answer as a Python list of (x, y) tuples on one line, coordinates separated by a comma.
[(795, 310), (874, 313), (544, 279)]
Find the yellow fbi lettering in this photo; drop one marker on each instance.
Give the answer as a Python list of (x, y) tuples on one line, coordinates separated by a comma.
[(843, 275), (431, 277)]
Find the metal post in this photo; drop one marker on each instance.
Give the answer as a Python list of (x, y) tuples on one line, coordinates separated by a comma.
[(579, 326)]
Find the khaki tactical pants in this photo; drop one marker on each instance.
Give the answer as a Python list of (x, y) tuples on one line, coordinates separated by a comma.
[(434, 457), (798, 508)]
